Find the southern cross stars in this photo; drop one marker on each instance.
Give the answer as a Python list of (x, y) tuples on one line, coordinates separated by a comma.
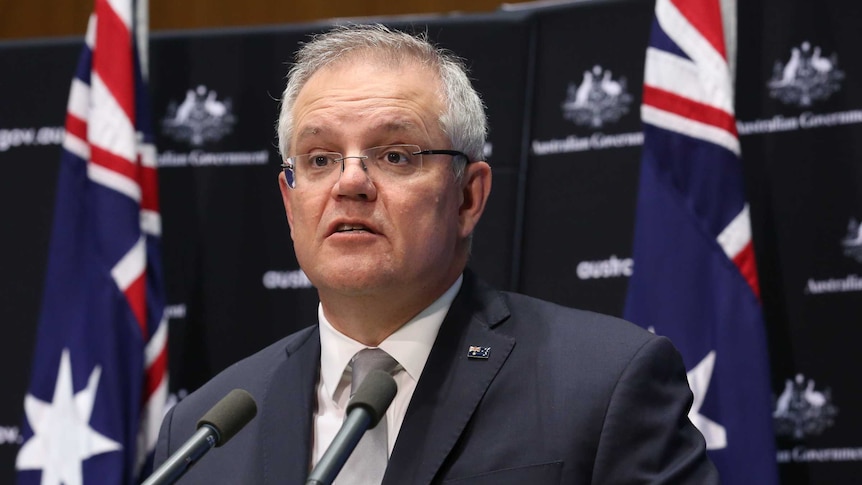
[(698, 381)]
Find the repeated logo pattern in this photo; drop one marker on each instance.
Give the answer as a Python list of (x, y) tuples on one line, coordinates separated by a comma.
[(801, 410), (806, 77), (200, 118), (598, 100), (853, 241)]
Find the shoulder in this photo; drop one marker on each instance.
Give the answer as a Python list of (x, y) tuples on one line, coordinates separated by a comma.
[(532, 318), (578, 349), (255, 374), (555, 336), (252, 374)]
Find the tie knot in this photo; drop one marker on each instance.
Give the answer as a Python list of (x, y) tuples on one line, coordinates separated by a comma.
[(367, 360)]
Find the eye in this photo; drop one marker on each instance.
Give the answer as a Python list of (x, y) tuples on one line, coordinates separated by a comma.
[(319, 161), (396, 157)]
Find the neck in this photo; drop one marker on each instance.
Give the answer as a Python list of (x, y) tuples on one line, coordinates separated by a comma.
[(370, 319)]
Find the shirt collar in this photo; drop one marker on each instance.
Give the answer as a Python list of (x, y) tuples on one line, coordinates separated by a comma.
[(410, 345)]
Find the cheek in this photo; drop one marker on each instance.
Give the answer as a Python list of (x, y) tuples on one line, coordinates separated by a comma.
[(430, 221), (306, 212)]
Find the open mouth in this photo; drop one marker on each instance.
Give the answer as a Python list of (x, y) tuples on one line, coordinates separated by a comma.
[(352, 228)]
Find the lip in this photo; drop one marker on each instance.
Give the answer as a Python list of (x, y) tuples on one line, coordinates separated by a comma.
[(333, 228)]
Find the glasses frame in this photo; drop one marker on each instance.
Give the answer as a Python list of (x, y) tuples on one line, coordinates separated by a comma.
[(290, 175)]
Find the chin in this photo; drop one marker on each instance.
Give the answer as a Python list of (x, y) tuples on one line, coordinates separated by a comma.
[(351, 281)]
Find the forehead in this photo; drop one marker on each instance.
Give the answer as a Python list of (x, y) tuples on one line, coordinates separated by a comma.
[(371, 94)]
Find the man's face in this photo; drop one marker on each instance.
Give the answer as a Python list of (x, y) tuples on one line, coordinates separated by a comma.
[(355, 235)]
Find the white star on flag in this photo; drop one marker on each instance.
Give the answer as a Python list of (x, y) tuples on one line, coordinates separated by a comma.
[(62, 436), (698, 380)]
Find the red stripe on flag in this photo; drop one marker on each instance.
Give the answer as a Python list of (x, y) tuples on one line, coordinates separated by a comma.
[(156, 373), (149, 189), (76, 126), (674, 103), (136, 294), (112, 57), (744, 260), (113, 162), (705, 16)]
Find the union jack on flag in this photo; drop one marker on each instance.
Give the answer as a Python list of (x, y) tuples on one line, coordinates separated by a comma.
[(99, 375), (695, 279), (478, 352)]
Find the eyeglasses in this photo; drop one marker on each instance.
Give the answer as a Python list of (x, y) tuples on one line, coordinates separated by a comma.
[(391, 162)]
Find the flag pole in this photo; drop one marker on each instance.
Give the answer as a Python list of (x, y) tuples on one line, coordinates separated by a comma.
[(142, 32)]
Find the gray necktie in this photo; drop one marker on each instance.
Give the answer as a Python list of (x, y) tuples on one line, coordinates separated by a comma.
[(368, 462)]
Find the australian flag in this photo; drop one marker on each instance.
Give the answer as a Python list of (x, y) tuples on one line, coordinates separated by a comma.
[(98, 381), (695, 279)]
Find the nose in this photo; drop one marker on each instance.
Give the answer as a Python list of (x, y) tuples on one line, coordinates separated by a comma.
[(354, 180), (361, 159)]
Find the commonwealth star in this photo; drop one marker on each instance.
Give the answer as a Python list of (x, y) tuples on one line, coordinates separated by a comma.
[(62, 437)]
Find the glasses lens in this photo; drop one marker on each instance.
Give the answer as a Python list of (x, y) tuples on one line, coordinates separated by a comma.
[(390, 160), (290, 176), (313, 167), (397, 160)]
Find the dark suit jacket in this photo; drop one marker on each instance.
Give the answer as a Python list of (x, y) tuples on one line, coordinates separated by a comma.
[(565, 396)]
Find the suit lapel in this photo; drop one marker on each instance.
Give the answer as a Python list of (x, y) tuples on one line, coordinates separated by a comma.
[(451, 386), (287, 412)]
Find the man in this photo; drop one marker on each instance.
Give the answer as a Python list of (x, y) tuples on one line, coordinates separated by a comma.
[(382, 136)]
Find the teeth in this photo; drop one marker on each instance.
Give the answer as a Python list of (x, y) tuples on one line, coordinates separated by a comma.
[(350, 227)]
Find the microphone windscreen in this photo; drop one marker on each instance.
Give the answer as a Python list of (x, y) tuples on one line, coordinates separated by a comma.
[(375, 394), (230, 414)]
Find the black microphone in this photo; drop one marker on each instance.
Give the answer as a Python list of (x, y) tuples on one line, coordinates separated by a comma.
[(215, 428), (365, 410)]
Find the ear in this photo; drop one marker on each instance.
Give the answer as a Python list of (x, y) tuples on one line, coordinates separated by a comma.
[(285, 199), (476, 186)]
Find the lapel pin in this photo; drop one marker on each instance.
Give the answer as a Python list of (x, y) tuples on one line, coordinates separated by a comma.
[(477, 352)]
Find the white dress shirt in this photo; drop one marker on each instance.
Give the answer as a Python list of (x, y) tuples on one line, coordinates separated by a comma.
[(410, 345)]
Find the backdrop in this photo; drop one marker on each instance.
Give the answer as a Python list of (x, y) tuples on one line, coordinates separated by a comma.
[(560, 220)]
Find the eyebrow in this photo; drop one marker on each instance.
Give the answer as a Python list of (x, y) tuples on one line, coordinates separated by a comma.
[(307, 132), (398, 125), (386, 127)]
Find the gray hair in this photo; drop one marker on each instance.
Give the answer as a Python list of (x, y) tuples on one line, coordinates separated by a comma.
[(463, 121)]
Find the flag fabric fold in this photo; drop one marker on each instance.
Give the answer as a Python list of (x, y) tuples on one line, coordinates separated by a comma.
[(695, 279), (99, 374)]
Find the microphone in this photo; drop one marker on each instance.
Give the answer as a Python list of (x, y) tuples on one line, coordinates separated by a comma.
[(365, 410), (215, 428)]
